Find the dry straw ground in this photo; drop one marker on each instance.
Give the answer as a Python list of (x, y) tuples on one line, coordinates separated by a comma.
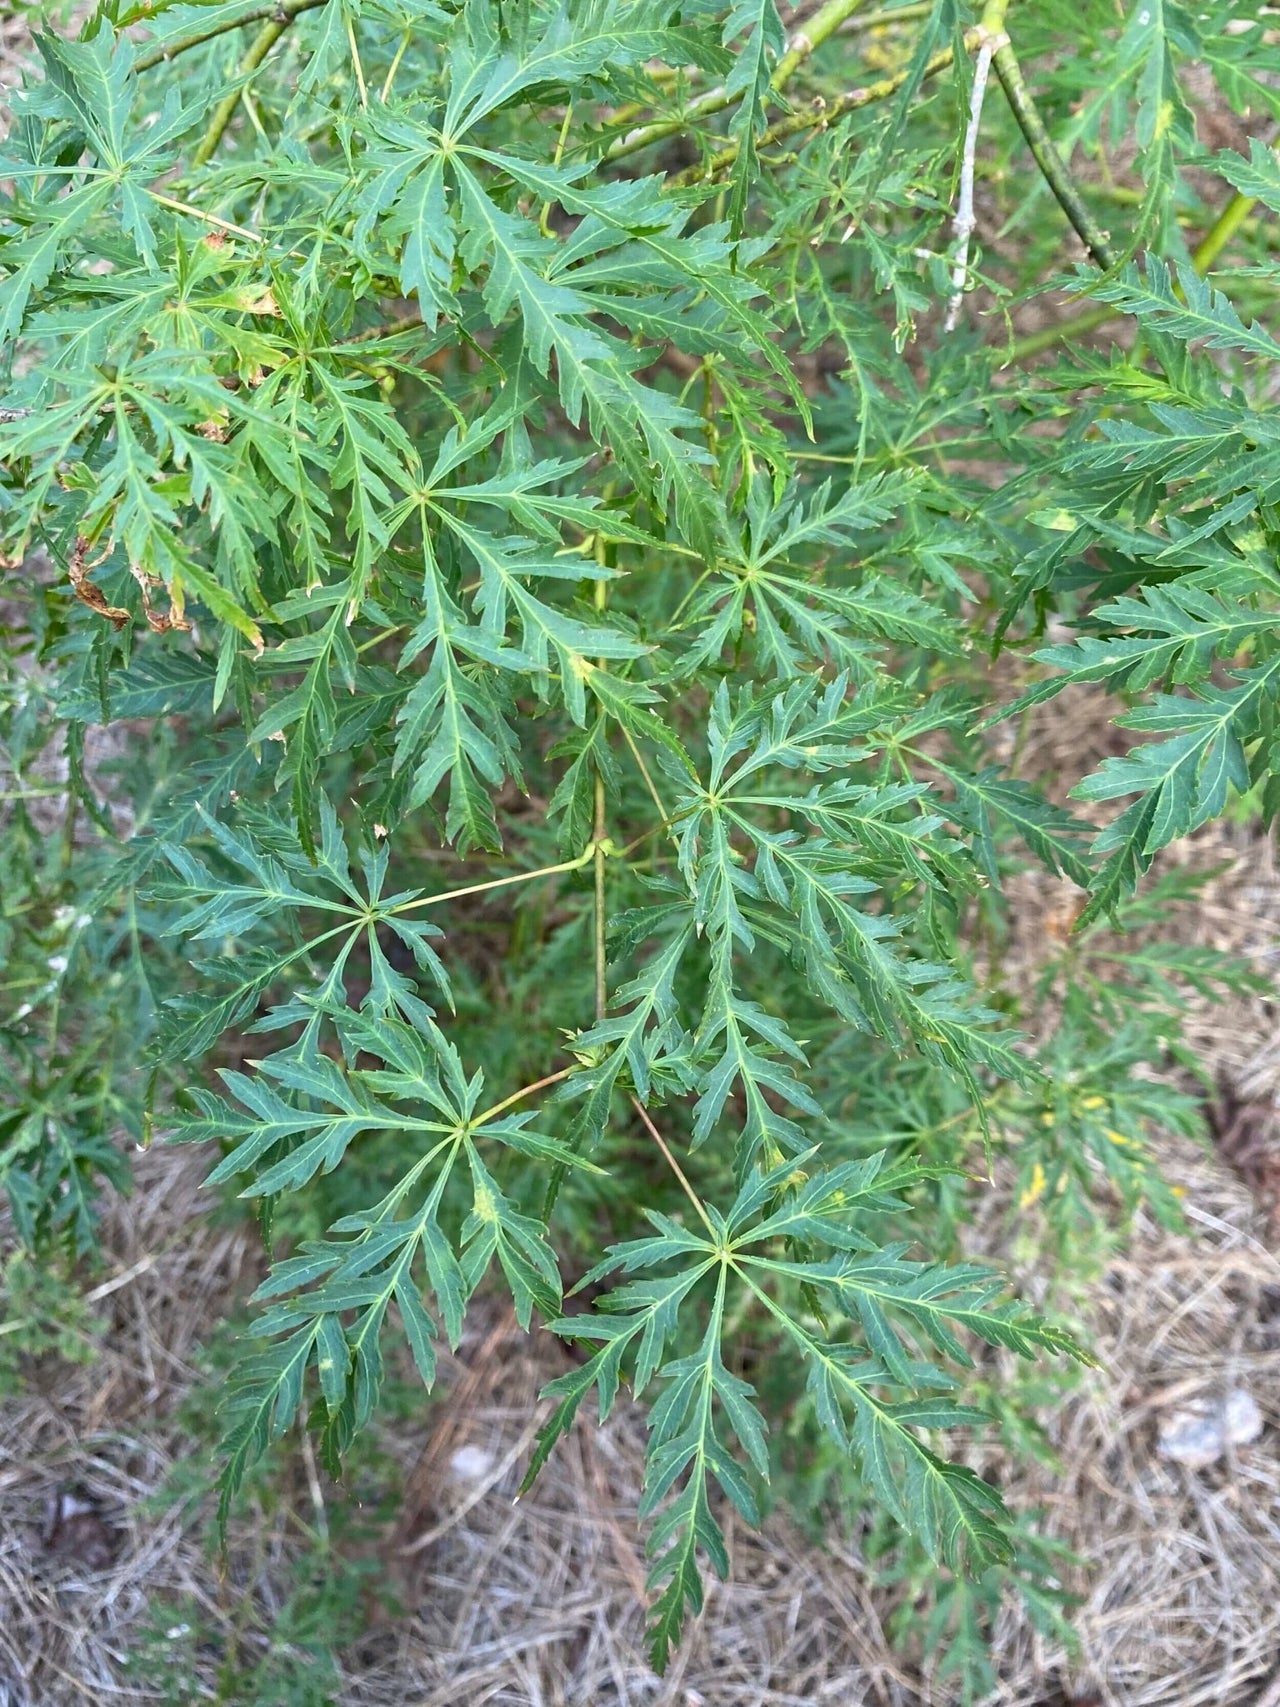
[(539, 1602)]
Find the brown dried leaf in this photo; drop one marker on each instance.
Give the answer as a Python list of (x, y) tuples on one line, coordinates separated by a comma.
[(260, 302), (90, 594)]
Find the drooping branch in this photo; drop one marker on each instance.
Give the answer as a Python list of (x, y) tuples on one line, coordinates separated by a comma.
[(224, 112), (1203, 256)]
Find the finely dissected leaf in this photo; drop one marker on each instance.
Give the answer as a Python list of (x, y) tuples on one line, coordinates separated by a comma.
[(754, 25), (900, 1306), (1182, 780), (1195, 311), (1054, 836), (1186, 629), (1164, 124), (1257, 177)]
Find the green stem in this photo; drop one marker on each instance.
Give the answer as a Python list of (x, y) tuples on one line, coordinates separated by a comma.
[(675, 1167), (225, 111), (519, 1096), (208, 218), (1076, 325), (583, 858), (1222, 231), (820, 27), (598, 836), (817, 114), (283, 10), (895, 15), (1052, 166), (823, 24)]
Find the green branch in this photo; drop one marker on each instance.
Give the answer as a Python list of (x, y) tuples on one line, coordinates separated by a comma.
[(1206, 252), (819, 113), (820, 27), (1052, 166), (224, 112)]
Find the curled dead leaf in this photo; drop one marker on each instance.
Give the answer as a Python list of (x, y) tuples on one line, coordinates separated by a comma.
[(260, 302), (87, 591), (159, 622)]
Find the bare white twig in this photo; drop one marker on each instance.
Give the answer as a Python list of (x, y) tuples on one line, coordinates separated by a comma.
[(965, 219)]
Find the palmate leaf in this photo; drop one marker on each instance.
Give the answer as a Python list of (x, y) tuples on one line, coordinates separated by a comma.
[(1191, 440), (804, 893), (506, 564), (798, 616), (286, 889), (896, 1401), (585, 42), (775, 531), (155, 684), (91, 83), (801, 621), (894, 828), (593, 369), (558, 539), (635, 212), (631, 1043), (1227, 458), (328, 1305)]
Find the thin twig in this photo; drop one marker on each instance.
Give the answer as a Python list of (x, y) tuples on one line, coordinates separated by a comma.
[(142, 1266), (601, 919), (638, 756), (208, 218), (584, 858), (598, 827), (992, 37), (313, 1487), (524, 1091), (1223, 230), (818, 114), (355, 61), (675, 1167)]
